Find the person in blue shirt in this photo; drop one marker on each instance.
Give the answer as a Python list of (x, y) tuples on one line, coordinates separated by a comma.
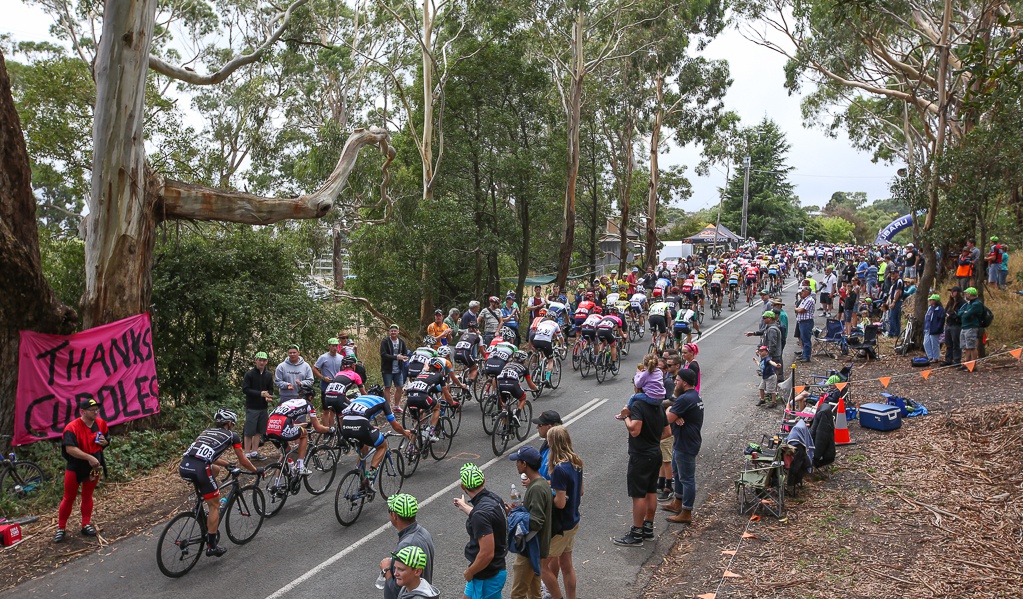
[(565, 469), (544, 422), (510, 315)]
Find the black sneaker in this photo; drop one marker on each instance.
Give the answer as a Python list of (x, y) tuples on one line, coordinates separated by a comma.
[(215, 551), (761, 402), (89, 530), (648, 530), (634, 538), (664, 495), (59, 537)]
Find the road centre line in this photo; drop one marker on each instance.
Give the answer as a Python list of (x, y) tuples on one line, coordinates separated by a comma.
[(572, 417)]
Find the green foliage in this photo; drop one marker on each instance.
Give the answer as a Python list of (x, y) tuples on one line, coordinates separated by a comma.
[(835, 229), (63, 261)]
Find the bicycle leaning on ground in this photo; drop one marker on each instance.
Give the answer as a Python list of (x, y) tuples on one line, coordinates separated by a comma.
[(19, 479), (184, 538)]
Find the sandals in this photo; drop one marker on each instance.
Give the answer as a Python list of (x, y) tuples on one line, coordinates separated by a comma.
[(89, 530), (59, 537)]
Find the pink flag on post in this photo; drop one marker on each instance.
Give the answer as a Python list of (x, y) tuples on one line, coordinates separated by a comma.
[(113, 364)]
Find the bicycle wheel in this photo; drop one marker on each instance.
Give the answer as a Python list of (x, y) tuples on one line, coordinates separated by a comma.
[(411, 450), (389, 478), (180, 545), (556, 374), (536, 366), (349, 498), (244, 515), (22, 480), (525, 421), (502, 433), (587, 362), (577, 352), (455, 414), (601, 367), (626, 345), (444, 433), (489, 410), (275, 490), (322, 466)]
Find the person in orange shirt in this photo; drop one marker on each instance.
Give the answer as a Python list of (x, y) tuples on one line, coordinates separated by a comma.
[(440, 331)]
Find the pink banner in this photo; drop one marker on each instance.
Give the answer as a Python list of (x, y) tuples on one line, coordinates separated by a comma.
[(113, 364)]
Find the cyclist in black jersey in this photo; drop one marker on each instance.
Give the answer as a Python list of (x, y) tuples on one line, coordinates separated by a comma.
[(289, 420), (467, 350), (508, 381), (418, 392), (201, 463), (347, 385)]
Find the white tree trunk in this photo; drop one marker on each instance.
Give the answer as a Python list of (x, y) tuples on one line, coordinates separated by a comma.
[(655, 141), (574, 118)]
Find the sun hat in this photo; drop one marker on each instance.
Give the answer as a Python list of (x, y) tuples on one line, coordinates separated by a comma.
[(261, 355), (404, 505), (471, 476), (412, 556), (333, 341)]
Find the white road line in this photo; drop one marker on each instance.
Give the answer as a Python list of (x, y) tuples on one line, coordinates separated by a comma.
[(573, 417)]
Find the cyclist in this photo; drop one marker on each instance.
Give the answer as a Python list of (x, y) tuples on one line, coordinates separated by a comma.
[(418, 392), (288, 421), (496, 360), (346, 381), (772, 274), (698, 285), (357, 424), (509, 381), (685, 323), (201, 463), (733, 283), (674, 300), (541, 314), (609, 327), (752, 275), (444, 355), (589, 326), (421, 357), (584, 309), (658, 321), (637, 303), (612, 297), (543, 341), (467, 349), (716, 290)]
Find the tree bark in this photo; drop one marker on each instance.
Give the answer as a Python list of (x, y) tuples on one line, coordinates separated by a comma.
[(28, 302), (574, 116), (655, 141), (337, 267), (625, 189)]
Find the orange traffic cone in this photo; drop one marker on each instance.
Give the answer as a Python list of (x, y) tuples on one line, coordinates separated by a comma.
[(841, 425)]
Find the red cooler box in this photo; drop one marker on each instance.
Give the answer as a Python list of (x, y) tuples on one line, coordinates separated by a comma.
[(10, 534)]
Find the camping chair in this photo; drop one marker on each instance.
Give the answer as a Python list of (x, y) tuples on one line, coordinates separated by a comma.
[(761, 482), (831, 340), (868, 345)]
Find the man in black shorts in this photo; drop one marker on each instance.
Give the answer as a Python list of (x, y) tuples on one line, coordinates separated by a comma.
[(509, 381), (200, 466), (645, 423), (418, 393), (467, 349)]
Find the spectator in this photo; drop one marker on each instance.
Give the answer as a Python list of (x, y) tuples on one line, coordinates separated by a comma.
[(292, 373), (471, 315), (994, 262), (953, 326), (646, 424), (488, 536), (1003, 268), (689, 351), (772, 335), (686, 420), (829, 289), (82, 446), (490, 320), (347, 348), (768, 377), (543, 424), (439, 330), (665, 480), (804, 321), (871, 278), (534, 303), (970, 315), (393, 355), (895, 298), (974, 260), (538, 501), (849, 314), (911, 258), (258, 387), (510, 317), (454, 322), (565, 469), (402, 509), (964, 268), (410, 564), (934, 326), (778, 307), (648, 382), (326, 368)]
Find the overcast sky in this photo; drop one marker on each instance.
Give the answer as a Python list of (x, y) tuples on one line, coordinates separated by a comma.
[(821, 165)]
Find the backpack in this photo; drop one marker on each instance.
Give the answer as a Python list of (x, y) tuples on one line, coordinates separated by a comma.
[(987, 318)]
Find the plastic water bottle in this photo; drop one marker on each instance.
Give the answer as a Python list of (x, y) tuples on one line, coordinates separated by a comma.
[(381, 580), (515, 493), (223, 503), (291, 465)]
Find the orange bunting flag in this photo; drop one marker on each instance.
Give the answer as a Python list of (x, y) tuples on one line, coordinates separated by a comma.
[(970, 365), (841, 386), (749, 535), (754, 518), (707, 596), (885, 380), (730, 574), (799, 388), (925, 374), (727, 552), (1016, 353)]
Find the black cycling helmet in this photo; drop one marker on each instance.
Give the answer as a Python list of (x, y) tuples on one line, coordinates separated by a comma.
[(223, 416), (472, 325), (349, 361), (307, 390), (375, 390)]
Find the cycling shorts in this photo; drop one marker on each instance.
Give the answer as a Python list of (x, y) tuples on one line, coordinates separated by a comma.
[(606, 335), (590, 333), (359, 429), (337, 403), (636, 309), (414, 370), (511, 387), (579, 319), (421, 401), (657, 323), (544, 346), (200, 474), (466, 357), (751, 280), (282, 428), (681, 328), (493, 367)]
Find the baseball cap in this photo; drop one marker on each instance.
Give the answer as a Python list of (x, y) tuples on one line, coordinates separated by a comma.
[(936, 297), (548, 417), (971, 291), (762, 347), (404, 505), (635, 269), (88, 404), (393, 327), (529, 455), (834, 379), (614, 272), (412, 556), (293, 347), (765, 292), (471, 476), (955, 288), (440, 312), (768, 314), (333, 341), (261, 355), (994, 238)]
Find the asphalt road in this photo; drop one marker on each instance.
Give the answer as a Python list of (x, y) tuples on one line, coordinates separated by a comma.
[(304, 552)]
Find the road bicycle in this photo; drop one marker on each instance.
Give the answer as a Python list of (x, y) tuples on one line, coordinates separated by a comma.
[(412, 450), (586, 359), (356, 487), (577, 352), (665, 342), (283, 479), (19, 479), (733, 298), (507, 426), (537, 367), (636, 329), (183, 539), (605, 364), (715, 307)]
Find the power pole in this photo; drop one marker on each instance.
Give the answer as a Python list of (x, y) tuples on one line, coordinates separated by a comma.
[(721, 201), (745, 195)]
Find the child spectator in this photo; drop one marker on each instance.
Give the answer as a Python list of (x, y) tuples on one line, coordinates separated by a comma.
[(768, 378), (649, 382)]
